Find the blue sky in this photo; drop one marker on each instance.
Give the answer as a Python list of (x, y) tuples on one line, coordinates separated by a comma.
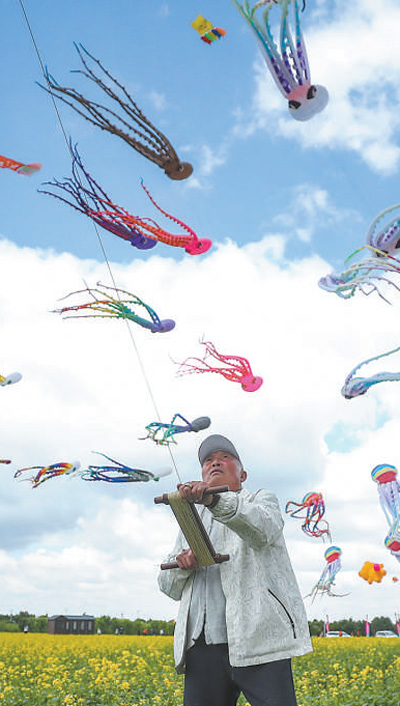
[(284, 203)]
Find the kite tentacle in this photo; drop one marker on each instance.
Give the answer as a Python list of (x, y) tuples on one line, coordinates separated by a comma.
[(145, 138)]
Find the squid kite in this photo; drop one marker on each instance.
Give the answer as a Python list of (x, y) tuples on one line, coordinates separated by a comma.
[(86, 196), (46, 472), (116, 307), (288, 63), (364, 276), (119, 473), (385, 476), (311, 510), (372, 572), (163, 434), (207, 32), (327, 578), (131, 126), (387, 238), (234, 368), (10, 379), (19, 167), (354, 387)]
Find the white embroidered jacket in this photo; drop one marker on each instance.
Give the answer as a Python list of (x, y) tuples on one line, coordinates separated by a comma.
[(265, 615)]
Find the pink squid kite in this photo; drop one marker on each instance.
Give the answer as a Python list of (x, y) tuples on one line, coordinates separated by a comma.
[(311, 510), (288, 63), (385, 476), (19, 167), (234, 368), (83, 193)]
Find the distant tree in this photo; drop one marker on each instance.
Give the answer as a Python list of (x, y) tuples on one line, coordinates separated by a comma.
[(24, 618), (40, 624), (105, 624), (7, 626), (316, 627), (382, 623)]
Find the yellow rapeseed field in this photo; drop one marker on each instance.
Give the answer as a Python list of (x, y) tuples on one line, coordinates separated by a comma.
[(110, 670)]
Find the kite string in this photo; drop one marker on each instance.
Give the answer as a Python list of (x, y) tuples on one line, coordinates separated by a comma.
[(141, 365)]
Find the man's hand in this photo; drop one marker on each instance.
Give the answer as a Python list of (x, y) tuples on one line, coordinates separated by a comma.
[(187, 560), (193, 492)]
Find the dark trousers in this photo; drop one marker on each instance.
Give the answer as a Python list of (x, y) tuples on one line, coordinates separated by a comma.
[(211, 681)]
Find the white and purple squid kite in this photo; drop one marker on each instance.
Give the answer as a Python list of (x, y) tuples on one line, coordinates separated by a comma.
[(287, 63), (163, 434), (383, 247), (327, 578), (356, 386), (364, 276), (387, 239), (385, 476)]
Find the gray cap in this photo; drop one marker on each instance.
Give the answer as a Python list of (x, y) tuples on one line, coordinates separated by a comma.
[(216, 442)]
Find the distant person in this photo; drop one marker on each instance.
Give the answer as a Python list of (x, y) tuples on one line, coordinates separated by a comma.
[(26, 629), (239, 622)]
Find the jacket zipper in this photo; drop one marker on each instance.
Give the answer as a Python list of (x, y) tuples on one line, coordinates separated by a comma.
[(286, 611)]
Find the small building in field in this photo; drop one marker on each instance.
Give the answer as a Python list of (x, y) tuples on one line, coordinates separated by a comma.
[(71, 624)]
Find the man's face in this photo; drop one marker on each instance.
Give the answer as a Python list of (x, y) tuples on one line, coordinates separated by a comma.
[(221, 468)]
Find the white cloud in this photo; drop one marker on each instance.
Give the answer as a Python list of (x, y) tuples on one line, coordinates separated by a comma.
[(353, 50), (96, 547), (158, 100), (310, 209)]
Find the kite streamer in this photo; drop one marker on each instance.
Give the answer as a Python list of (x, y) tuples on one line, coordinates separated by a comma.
[(207, 32), (163, 434), (288, 63), (311, 510), (86, 196), (235, 368), (46, 472), (19, 167), (5, 460), (356, 386), (117, 307), (327, 578), (385, 476), (119, 473), (10, 379), (372, 572), (131, 126)]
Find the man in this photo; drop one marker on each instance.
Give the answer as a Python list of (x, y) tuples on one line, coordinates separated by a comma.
[(239, 622)]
